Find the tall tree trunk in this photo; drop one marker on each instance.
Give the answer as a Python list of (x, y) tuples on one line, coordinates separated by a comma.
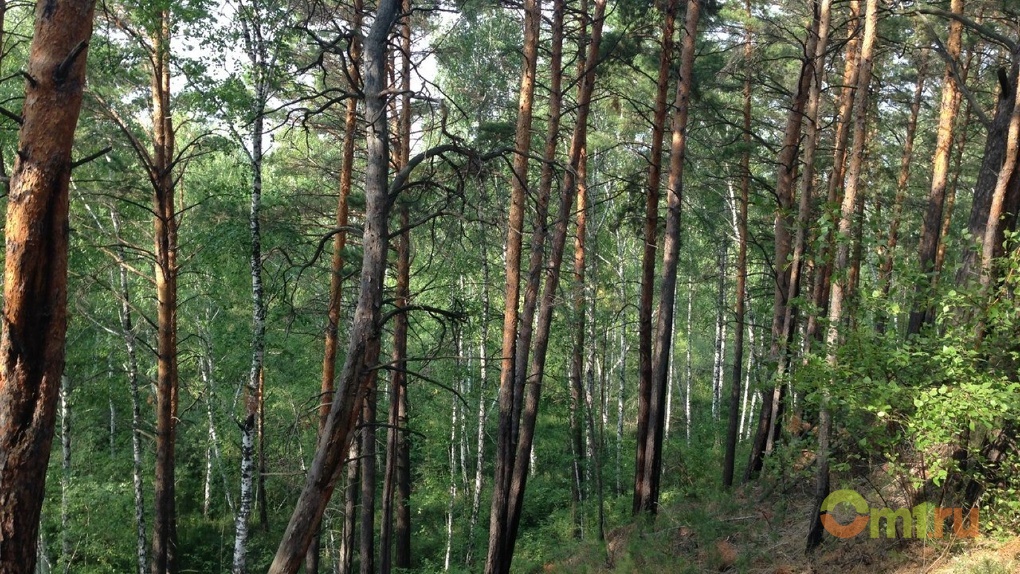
[(505, 441), (931, 227), (735, 422), (334, 308), (367, 460), (530, 377), (840, 285), (961, 145), (130, 344), (483, 364), (651, 231), (772, 399), (823, 269), (164, 531), (364, 339), (647, 490), (398, 474), (253, 402), (576, 374), (34, 320)]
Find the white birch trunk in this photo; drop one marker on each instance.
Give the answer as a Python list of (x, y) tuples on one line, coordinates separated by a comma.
[(247, 495), (476, 493), (127, 329), (688, 374), (65, 475)]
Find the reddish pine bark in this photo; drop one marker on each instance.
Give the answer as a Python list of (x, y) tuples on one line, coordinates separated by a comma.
[(34, 320)]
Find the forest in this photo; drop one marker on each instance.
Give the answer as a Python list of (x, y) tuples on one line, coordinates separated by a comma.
[(518, 286)]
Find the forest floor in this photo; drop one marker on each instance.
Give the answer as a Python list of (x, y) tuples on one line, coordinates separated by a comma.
[(761, 529)]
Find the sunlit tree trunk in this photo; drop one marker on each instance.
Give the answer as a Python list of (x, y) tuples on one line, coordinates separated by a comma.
[(993, 160), (164, 539), (840, 284), (535, 371), (506, 435), (823, 264), (990, 242), (932, 223), (34, 320)]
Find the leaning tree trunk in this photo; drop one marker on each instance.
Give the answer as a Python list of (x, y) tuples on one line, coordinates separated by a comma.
[(841, 284), (34, 318), (363, 349), (333, 309), (993, 159)]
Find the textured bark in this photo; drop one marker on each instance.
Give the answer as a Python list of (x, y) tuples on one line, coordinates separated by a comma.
[(367, 461), (506, 435), (34, 318), (161, 173), (651, 232), (396, 484), (254, 389), (397, 478), (647, 490), (990, 242), (932, 223), (840, 284), (363, 348), (334, 308), (772, 399), (524, 456), (345, 560), (984, 188)]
